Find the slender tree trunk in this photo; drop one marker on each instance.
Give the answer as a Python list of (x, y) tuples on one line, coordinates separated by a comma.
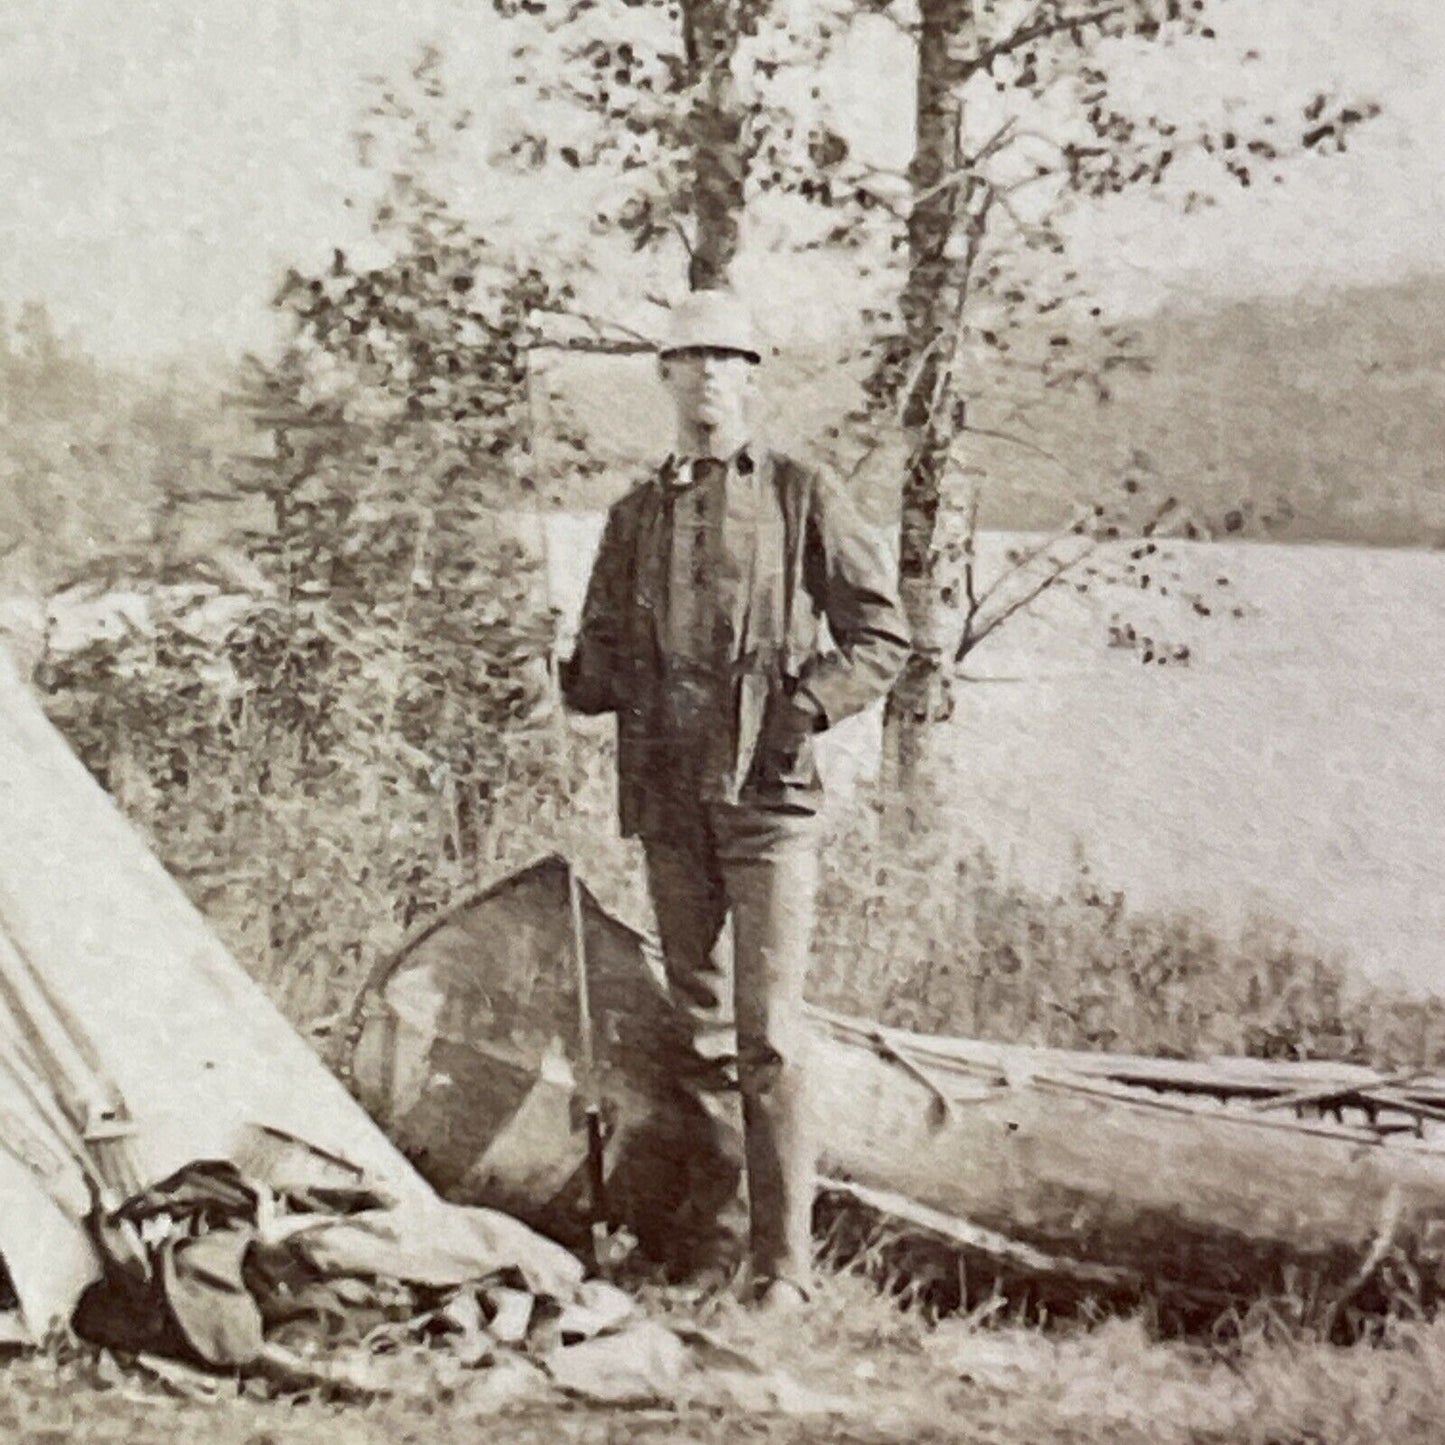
[(710, 38), (932, 409)]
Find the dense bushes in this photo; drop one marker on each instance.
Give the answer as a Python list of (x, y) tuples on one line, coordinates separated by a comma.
[(932, 936), (314, 837), (306, 812)]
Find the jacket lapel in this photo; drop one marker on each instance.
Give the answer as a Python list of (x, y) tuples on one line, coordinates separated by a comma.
[(649, 579)]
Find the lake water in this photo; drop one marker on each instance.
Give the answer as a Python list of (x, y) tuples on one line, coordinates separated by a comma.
[(1296, 767)]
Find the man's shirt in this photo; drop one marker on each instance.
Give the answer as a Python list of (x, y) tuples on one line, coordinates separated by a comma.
[(706, 534)]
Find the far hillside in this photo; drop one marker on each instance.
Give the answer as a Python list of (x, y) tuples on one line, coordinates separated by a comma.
[(100, 466), (1325, 409), (1321, 411)]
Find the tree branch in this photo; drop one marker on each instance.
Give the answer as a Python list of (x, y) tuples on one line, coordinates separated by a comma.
[(1014, 608), (1026, 229), (1038, 30), (995, 143), (970, 578), (683, 237), (887, 12), (1016, 440), (1062, 569), (1029, 558)]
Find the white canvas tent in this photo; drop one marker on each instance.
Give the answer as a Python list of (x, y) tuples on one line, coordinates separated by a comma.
[(100, 947)]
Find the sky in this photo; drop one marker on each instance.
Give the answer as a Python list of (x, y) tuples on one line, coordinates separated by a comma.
[(163, 161)]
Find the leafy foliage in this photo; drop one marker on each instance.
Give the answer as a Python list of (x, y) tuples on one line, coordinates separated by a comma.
[(975, 317), (669, 105), (935, 936), (333, 745)]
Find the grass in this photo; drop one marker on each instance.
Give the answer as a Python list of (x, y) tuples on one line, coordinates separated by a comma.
[(890, 1374), (930, 934), (311, 859)]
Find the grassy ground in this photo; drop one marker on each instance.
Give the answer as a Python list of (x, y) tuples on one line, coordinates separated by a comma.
[(855, 1368)]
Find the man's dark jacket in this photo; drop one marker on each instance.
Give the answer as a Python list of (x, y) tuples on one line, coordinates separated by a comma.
[(812, 559)]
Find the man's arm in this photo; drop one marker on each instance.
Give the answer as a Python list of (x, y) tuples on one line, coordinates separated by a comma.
[(589, 676), (848, 573)]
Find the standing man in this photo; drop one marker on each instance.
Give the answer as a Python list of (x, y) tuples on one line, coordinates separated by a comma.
[(700, 631)]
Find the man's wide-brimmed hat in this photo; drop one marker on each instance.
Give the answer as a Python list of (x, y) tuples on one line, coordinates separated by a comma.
[(711, 321)]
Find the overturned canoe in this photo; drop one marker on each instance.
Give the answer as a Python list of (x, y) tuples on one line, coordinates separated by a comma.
[(1221, 1178), (1225, 1179)]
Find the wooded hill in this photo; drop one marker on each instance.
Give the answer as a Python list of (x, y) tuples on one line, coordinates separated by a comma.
[(1321, 411), (1325, 409)]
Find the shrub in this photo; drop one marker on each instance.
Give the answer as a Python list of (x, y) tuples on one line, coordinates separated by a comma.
[(930, 935)]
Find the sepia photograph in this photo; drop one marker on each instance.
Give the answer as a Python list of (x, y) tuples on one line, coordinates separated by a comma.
[(722, 720)]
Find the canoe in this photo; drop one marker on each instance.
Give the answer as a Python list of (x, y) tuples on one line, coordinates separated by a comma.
[(1216, 1180), (1224, 1179)]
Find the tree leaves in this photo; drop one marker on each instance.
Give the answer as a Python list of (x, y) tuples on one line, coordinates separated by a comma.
[(355, 717)]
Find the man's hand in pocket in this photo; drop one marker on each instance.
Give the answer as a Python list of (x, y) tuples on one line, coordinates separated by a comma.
[(792, 718)]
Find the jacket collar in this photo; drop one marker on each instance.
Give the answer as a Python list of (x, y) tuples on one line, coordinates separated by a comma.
[(677, 471)]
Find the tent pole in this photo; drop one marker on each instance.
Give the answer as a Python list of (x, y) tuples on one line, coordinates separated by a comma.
[(71, 1066), (598, 1207)]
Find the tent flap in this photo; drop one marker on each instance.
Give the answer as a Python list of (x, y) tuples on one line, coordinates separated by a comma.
[(120, 1008)]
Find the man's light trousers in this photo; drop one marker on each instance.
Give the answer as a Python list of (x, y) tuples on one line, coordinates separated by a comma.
[(758, 868)]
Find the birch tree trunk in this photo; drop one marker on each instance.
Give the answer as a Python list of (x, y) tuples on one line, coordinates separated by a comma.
[(716, 131), (932, 409)]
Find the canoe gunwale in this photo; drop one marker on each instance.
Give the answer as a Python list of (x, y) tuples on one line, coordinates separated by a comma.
[(942, 1064)]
